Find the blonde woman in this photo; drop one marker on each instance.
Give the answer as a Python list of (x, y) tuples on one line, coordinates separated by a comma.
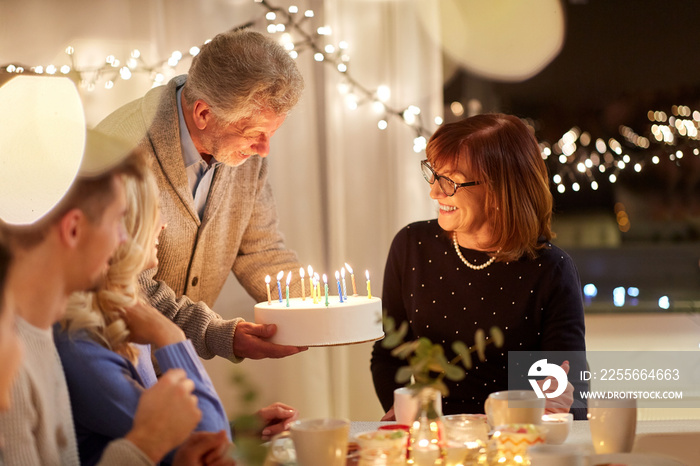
[(104, 339)]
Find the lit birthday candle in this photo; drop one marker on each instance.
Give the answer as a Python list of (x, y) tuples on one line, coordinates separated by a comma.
[(352, 278), (340, 290), (325, 287), (345, 290), (289, 279), (279, 285), (313, 290), (311, 279), (303, 290), (267, 285), (317, 287), (369, 288)]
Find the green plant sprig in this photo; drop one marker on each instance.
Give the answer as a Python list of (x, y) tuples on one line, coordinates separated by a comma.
[(427, 363), (247, 426)]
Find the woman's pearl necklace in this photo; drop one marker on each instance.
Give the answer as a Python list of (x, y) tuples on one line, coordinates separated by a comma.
[(459, 253)]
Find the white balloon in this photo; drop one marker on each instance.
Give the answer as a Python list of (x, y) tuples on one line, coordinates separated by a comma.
[(504, 40), (41, 143)]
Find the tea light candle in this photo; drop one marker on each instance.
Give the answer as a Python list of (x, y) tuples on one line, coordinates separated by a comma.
[(369, 287), (267, 285), (303, 290), (340, 291), (279, 285), (345, 290), (557, 427), (325, 287), (311, 279), (289, 279), (352, 278)]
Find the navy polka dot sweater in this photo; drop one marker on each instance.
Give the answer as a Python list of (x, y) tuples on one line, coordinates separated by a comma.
[(536, 303)]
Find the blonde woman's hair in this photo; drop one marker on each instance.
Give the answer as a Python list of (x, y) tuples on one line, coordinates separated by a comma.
[(100, 313)]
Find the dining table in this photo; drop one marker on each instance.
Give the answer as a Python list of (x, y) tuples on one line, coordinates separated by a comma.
[(677, 440)]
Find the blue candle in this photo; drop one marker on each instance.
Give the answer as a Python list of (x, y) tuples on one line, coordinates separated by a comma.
[(279, 285), (340, 291)]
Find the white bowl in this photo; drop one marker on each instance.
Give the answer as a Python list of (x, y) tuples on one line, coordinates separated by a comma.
[(557, 427)]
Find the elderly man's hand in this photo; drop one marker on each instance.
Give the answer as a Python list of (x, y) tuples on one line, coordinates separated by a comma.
[(250, 341), (563, 402)]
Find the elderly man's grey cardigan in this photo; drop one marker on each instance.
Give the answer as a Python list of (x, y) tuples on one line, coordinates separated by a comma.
[(238, 231)]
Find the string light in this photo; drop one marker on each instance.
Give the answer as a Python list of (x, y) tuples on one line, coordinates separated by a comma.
[(335, 55), (571, 159), (670, 136), (280, 21)]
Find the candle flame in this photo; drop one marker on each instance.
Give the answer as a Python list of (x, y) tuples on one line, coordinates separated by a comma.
[(347, 266), (280, 275), (267, 279), (289, 277), (311, 271), (301, 272), (367, 274), (325, 279), (337, 275), (342, 272), (317, 278)]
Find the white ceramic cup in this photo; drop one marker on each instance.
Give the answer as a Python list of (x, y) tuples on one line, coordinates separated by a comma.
[(406, 405), (514, 407), (613, 424), (317, 442)]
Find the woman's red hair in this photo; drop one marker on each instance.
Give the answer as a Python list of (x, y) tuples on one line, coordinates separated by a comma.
[(502, 153)]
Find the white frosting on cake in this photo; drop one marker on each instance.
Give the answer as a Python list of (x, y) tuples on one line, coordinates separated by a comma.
[(303, 323)]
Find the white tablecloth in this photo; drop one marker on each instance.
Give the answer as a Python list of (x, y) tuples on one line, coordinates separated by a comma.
[(676, 439)]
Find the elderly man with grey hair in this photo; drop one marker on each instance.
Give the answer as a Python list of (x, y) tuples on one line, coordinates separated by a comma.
[(209, 132)]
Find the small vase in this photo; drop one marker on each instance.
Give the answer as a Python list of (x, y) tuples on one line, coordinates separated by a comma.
[(426, 439)]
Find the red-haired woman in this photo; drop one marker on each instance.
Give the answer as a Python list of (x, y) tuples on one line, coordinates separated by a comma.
[(486, 261)]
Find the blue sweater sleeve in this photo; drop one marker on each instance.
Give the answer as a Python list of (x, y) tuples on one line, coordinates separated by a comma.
[(104, 390), (183, 355)]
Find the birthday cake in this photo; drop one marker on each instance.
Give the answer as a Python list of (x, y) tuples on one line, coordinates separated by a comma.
[(357, 319)]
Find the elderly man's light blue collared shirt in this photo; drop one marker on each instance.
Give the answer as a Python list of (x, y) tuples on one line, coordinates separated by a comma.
[(199, 172)]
